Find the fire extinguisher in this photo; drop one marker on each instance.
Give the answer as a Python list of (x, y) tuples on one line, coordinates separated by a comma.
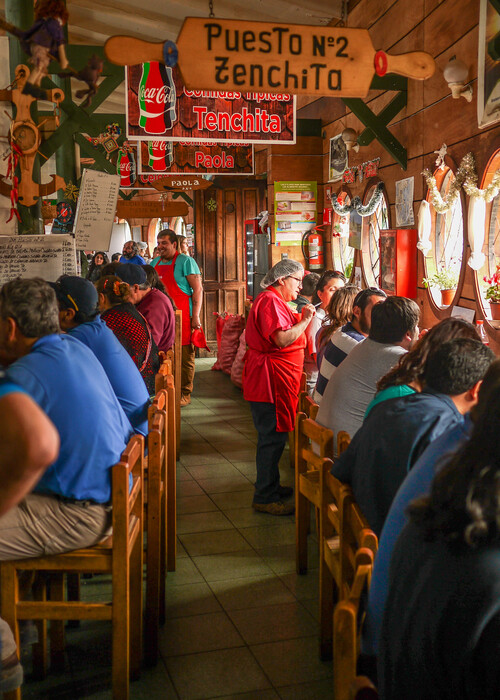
[(312, 248)]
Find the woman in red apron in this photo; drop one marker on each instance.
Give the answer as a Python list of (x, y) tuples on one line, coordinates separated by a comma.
[(271, 378)]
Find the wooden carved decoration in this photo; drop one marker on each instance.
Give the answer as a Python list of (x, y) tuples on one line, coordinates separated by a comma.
[(25, 140)]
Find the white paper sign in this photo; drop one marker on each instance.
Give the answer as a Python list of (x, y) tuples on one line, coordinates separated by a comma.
[(48, 257), (96, 210)]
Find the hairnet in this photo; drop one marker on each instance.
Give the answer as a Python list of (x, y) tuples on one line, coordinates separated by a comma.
[(283, 268)]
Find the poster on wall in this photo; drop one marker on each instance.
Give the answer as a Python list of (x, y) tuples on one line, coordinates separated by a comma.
[(159, 106), (179, 158), (488, 66), (404, 203), (295, 206), (337, 159)]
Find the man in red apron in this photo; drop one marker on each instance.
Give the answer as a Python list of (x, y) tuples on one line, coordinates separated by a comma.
[(182, 277), (271, 377)]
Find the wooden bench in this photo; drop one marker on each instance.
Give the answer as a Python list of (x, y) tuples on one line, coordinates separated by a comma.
[(120, 555)]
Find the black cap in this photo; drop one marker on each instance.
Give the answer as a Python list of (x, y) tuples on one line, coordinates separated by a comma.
[(131, 273), (76, 293)]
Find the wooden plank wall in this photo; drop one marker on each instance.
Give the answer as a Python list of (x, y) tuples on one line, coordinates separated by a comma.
[(443, 29)]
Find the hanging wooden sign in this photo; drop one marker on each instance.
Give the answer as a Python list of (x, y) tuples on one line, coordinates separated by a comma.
[(139, 209), (290, 58), (181, 183), (273, 58)]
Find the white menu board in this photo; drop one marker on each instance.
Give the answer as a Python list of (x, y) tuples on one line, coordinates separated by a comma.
[(48, 257), (96, 210)]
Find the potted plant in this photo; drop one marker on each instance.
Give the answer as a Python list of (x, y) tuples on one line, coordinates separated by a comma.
[(492, 293), (446, 281)]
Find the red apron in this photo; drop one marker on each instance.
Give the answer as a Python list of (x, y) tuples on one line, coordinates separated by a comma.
[(181, 299), (272, 374)]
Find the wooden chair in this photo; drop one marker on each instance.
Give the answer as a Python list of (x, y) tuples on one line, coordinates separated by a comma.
[(166, 382), (291, 434), (313, 443), (178, 378), (332, 496), (120, 554), (156, 521), (358, 547)]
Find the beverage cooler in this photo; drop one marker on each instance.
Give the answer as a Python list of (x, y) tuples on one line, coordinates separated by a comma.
[(256, 254)]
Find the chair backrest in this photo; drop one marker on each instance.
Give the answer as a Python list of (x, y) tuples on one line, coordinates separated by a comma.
[(313, 442), (343, 441), (127, 500), (358, 546), (157, 445)]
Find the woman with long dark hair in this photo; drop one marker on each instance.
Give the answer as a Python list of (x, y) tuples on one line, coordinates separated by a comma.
[(96, 264), (129, 326), (441, 631)]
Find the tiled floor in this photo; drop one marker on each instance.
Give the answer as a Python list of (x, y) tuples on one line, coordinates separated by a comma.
[(240, 622)]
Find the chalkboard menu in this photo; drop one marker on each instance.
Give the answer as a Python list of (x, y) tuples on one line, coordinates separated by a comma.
[(37, 256), (96, 210)]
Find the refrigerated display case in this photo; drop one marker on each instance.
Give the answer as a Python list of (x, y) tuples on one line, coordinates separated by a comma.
[(398, 262), (256, 254)]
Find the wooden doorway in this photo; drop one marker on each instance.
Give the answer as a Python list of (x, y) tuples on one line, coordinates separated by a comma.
[(219, 240)]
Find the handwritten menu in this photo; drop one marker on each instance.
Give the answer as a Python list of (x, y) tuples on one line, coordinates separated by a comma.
[(48, 257), (96, 210)]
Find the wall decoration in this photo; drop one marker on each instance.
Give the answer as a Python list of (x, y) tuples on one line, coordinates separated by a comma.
[(404, 202), (349, 176), (294, 211), (466, 177), (357, 205), (200, 158), (488, 68), (424, 227), (337, 158), (441, 156), (368, 169), (159, 105)]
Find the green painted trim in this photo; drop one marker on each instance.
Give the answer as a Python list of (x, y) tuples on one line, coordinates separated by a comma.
[(309, 127), (185, 197), (395, 106), (384, 136)]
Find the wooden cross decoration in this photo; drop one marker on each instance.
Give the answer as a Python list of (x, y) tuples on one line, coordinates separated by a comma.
[(25, 136)]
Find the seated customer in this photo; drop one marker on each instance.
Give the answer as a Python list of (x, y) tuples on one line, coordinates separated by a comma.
[(348, 311), (407, 376), (69, 506), (394, 329), (30, 443), (440, 636), (416, 484), (156, 307), (309, 283), (79, 317), (396, 432), (130, 327)]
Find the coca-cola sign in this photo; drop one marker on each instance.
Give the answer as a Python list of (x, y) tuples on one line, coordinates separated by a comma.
[(160, 107), (178, 158)]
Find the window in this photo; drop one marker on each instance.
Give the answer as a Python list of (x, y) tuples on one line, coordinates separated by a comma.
[(491, 246), (447, 235), (372, 226), (343, 254)]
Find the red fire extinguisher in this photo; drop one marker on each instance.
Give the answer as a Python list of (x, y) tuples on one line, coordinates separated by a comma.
[(312, 249)]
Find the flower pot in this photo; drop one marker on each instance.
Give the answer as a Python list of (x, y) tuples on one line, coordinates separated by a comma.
[(495, 310), (447, 296)]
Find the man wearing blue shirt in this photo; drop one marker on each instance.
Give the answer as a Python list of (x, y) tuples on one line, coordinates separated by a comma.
[(78, 316), (397, 431), (69, 506), (130, 254)]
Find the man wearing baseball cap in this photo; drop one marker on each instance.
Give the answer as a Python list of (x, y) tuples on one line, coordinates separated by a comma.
[(78, 316)]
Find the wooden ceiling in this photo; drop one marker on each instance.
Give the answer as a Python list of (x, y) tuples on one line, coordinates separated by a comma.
[(93, 21)]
